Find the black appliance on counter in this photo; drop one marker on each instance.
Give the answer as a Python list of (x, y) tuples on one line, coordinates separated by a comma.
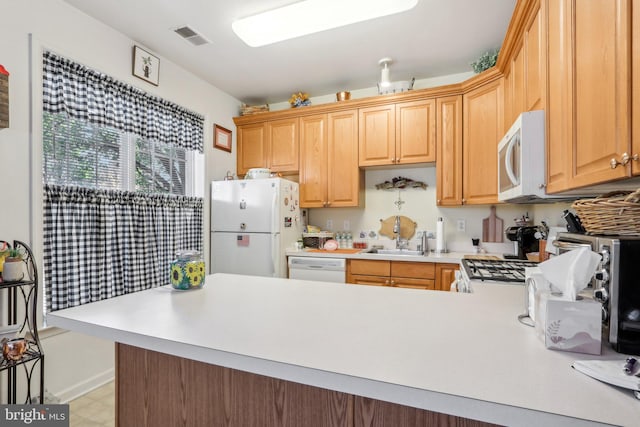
[(616, 285), (524, 238)]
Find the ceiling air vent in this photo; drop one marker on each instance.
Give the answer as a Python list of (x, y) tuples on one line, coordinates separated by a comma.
[(191, 36)]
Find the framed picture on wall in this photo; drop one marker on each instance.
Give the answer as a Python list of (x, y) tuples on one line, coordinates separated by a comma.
[(221, 138), (146, 66)]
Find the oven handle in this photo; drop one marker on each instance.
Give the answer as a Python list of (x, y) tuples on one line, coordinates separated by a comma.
[(570, 245)]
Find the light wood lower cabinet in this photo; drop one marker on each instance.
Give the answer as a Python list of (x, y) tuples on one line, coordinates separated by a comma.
[(157, 389), (399, 274), (445, 275)]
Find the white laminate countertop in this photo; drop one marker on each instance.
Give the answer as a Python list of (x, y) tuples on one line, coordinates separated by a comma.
[(448, 257), (460, 354)]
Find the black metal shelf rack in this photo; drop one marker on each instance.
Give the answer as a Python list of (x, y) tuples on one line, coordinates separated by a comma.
[(22, 308)]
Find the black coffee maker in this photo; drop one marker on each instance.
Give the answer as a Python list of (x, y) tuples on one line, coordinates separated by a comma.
[(524, 239)]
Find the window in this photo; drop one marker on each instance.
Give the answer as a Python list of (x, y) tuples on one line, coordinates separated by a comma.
[(82, 154), (119, 185)]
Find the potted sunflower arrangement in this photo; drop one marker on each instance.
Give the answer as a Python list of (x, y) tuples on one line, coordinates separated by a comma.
[(187, 270), (299, 99), (11, 265)]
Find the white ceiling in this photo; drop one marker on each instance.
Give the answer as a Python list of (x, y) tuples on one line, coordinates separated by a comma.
[(436, 38)]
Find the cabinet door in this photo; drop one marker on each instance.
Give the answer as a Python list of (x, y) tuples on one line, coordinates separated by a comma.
[(369, 267), (445, 275), (517, 77), (635, 85), (535, 62), (377, 132), (313, 161), (416, 270), (252, 148), (344, 178), (368, 280), (482, 129), (416, 132), (283, 143), (404, 282), (601, 89), (589, 53), (559, 113), (449, 151)]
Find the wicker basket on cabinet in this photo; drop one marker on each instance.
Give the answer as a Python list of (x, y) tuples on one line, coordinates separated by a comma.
[(616, 213)]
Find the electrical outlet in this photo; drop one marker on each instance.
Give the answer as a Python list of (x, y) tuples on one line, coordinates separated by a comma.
[(329, 224), (461, 224), (346, 225)]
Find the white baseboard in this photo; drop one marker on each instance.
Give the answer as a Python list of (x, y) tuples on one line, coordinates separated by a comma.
[(85, 386)]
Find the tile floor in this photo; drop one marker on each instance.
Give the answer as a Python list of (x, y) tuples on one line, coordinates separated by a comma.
[(94, 409)]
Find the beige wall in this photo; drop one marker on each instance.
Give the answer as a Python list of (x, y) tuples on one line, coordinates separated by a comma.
[(75, 363), (420, 206)]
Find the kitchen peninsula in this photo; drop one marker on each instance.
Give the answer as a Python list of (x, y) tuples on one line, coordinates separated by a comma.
[(248, 350)]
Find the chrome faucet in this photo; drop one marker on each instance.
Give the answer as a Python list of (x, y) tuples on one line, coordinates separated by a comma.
[(400, 243)]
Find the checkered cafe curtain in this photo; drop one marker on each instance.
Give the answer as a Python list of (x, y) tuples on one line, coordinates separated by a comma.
[(100, 244), (87, 94)]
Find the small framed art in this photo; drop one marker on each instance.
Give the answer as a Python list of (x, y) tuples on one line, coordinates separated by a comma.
[(146, 66), (221, 138)]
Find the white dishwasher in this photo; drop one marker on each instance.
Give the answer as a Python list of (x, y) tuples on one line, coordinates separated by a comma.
[(319, 269)]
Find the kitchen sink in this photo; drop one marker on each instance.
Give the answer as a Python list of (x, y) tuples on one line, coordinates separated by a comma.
[(395, 252)]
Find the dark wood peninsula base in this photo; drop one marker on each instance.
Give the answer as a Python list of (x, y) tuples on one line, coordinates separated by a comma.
[(155, 389)]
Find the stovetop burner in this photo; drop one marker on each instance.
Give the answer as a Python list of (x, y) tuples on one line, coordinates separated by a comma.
[(496, 270)]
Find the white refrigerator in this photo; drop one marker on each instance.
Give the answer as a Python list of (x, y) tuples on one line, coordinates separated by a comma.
[(253, 222)]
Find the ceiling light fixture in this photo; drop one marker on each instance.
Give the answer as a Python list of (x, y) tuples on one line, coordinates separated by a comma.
[(384, 75), (385, 85), (312, 16)]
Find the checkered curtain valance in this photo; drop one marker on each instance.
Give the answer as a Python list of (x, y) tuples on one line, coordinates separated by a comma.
[(100, 244), (87, 94)]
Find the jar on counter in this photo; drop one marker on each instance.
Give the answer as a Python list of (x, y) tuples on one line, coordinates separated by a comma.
[(187, 270)]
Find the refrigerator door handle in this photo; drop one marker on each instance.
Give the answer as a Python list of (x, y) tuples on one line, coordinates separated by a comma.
[(274, 258), (275, 213)]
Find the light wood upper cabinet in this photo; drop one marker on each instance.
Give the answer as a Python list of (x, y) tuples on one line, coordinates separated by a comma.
[(329, 174), (535, 74), (272, 145), (377, 133), (402, 133), (253, 147), (635, 86), (589, 92), (525, 75), (482, 130), (416, 132), (345, 181), (449, 151), (313, 161), (283, 143)]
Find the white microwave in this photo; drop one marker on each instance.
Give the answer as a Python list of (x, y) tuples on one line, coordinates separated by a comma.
[(521, 160)]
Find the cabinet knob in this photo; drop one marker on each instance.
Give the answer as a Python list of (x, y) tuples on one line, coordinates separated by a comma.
[(393, 283), (624, 160), (464, 201), (328, 204), (438, 201), (386, 282)]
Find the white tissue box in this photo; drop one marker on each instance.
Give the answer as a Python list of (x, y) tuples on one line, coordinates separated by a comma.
[(569, 325)]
